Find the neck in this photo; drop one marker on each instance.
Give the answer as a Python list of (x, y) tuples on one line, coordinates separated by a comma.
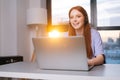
[(79, 31)]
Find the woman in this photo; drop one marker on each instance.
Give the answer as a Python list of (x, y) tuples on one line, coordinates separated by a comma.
[(79, 25)]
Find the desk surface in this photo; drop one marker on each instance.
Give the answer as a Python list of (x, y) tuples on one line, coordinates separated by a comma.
[(31, 70)]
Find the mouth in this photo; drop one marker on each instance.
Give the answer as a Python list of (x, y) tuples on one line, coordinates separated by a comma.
[(76, 24)]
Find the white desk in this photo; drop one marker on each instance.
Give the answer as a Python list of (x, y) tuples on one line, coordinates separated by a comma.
[(31, 71)]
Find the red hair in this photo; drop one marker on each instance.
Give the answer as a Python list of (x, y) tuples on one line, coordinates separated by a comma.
[(87, 30)]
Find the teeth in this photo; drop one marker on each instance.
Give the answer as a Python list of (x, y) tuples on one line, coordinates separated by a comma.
[(75, 24)]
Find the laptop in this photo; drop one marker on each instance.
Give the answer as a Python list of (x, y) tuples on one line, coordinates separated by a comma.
[(61, 53)]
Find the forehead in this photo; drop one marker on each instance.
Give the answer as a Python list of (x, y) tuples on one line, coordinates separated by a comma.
[(75, 12)]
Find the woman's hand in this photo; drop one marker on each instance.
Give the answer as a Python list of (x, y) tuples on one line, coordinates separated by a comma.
[(90, 62), (97, 60)]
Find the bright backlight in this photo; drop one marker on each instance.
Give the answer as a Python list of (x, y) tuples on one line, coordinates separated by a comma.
[(54, 33)]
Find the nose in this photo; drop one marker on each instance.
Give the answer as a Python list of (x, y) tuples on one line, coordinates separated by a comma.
[(75, 19)]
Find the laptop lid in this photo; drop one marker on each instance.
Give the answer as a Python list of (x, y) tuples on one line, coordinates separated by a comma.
[(62, 53)]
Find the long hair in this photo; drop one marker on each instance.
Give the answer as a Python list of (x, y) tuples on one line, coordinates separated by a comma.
[(87, 30)]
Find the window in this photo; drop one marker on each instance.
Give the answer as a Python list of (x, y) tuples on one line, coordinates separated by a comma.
[(58, 12), (108, 13), (111, 45), (108, 21), (60, 9)]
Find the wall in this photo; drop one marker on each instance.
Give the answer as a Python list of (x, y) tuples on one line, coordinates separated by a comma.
[(8, 33), (23, 33), (15, 35), (0, 28)]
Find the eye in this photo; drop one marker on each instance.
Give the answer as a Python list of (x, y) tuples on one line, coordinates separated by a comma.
[(71, 17), (78, 16)]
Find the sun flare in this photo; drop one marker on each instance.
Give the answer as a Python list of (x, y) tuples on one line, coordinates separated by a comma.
[(54, 33)]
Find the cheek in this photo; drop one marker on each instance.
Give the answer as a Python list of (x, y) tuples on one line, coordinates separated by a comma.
[(71, 20), (81, 19)]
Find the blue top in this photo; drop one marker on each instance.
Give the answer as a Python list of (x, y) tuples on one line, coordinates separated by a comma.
[(96, 44)]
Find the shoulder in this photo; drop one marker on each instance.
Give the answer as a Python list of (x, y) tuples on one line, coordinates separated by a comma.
[(94, 32)]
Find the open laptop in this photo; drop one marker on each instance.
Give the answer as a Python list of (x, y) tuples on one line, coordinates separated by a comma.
[(62, 53)]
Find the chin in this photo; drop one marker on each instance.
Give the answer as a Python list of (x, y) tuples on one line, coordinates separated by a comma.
[(76, 27)]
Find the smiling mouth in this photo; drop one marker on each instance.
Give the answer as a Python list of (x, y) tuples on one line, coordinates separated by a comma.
[(75, 24)]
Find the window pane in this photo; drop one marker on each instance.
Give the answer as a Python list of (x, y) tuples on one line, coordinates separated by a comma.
[(60, 9), (108, 12), (111, 44)]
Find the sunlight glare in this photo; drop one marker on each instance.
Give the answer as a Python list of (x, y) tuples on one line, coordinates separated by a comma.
[(54, 33)]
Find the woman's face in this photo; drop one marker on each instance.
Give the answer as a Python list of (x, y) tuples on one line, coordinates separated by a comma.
[(76, 19)]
